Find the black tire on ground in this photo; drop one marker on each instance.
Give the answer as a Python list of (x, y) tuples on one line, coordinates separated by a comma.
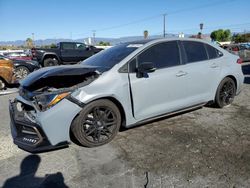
[(97, 123), (21, 72), (50, 62), (225, 93), (2, 84)]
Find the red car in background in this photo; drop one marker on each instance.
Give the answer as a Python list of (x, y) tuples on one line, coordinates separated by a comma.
[(17, 56)]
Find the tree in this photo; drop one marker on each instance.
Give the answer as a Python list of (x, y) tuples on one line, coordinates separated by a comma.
[(238, 38), (29, 42), (221, 35), (199, 36), (101, 43), (52, 45), (145, 34)]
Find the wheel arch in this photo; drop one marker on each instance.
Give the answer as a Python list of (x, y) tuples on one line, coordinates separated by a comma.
[(1, 78), (226, 76), (112, 99), (50, 55), (234, 79), (21, 65)]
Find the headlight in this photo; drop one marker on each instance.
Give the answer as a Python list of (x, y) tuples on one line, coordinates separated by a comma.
[(46, 101)]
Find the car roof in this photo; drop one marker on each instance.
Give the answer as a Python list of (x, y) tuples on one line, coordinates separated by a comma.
[(146, 41)]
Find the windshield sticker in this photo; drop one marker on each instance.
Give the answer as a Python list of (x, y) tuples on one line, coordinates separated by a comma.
[(134, 45)]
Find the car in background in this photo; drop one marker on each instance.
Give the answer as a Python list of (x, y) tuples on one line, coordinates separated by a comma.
[(6, 73), (245, 46), (17, 56), (64, 53), (125, 85), (22, 67), (238, 49)]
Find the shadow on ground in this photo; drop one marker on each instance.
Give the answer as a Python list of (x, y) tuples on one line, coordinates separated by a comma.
[(27, 177)]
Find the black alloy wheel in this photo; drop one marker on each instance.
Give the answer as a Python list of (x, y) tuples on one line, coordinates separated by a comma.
[(97, 124), (225, 92)]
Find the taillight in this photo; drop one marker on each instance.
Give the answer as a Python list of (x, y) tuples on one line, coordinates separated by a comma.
[(239, 61)]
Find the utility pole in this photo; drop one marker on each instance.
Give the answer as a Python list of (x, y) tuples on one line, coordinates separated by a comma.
[(93, 36), (33, 39), (244, 35), (201, 27), (164, 25)]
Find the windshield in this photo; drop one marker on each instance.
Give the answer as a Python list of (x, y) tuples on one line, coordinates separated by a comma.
[(109, 57)]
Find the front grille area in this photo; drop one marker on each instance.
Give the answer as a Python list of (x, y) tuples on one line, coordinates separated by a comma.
[(27, 132)]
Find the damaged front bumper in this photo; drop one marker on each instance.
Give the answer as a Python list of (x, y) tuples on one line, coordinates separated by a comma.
[(27, 134)]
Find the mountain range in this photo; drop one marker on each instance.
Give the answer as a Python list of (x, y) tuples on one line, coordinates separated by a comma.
[(112, 41)]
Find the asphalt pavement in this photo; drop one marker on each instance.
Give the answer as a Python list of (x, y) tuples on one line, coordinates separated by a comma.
[(208, 147)]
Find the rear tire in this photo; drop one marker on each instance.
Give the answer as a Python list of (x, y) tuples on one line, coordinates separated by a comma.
[(97, 123), (225, 93), (50, 62)]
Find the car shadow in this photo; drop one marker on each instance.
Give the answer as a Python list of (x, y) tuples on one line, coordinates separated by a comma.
[(123, 128), (27, 177)]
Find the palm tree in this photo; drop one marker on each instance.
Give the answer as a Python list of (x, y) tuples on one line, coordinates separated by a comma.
[(145, 33), (29, 42)]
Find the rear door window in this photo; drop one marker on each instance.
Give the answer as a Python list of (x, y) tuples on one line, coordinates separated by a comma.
[(68, 46), (195, 51), (161, 55), (212, 52)]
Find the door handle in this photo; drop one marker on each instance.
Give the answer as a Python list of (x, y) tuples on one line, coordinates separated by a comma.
[(181, 73), (214, 65)]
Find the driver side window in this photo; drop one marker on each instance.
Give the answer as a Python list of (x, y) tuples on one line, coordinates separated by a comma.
[(162, 55)]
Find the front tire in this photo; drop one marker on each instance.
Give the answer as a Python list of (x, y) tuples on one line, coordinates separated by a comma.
[(97, 123), (50, 62), (2, 84), (225, 93), (21, 72)]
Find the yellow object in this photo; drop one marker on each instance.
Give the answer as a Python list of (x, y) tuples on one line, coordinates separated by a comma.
[(58, 98)]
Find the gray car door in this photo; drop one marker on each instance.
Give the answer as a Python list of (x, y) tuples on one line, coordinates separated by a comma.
[(161, 91), (203, 70)]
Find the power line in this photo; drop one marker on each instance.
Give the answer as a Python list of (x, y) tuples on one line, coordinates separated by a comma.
[(243, 26), (213, 27), (215, 3), (130, 23)]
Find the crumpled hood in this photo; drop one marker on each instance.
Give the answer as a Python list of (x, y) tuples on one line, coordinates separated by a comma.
[(58, 77)]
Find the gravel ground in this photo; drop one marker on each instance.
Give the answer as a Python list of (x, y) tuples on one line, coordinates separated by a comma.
[(208, 147)]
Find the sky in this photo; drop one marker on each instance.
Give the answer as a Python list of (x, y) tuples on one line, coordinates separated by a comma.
[(75, 19)]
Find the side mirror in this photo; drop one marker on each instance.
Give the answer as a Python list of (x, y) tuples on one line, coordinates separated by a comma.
[(144, 68)]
